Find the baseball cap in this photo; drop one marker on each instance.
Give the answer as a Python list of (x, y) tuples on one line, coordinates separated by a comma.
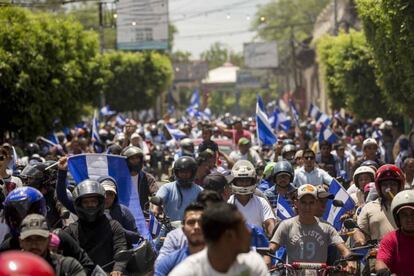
[(215, 181), (323, 193), (34, 225), (134, 135), (369, 141), (108, 185), (244, 141), (307, 189)]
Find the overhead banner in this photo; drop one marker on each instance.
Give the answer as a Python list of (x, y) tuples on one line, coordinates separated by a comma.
[(261, 55), (142, 25)]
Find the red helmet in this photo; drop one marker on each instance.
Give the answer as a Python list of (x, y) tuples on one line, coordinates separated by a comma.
[(24, 263), (389, 172)]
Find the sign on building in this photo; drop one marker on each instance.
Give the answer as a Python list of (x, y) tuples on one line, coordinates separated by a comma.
[(261, 55), (142, 24)]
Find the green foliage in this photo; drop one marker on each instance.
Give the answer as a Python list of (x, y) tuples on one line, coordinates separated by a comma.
[(181, 56), (272, 21), (132, 81), (46, 64), (218, 54), (347, 66), (389, 27)]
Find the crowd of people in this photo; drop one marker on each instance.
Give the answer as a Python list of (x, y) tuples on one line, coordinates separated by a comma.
[(225, 188)]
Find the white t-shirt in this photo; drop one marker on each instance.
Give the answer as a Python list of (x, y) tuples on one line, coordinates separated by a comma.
[(249, 264), (256, 211)]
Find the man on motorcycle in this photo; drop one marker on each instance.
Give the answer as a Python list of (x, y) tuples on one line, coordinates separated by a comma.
[(177, 195), (375, 219), (256, 210), (35, 238), (227, 237), (305, 236), (195, 240), (395, 251)]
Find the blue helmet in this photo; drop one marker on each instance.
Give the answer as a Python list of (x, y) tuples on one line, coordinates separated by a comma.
[(21, 202)]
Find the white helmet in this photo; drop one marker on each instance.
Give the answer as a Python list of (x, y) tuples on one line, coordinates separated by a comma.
[(243, 169), (403, 198), (362, 170)]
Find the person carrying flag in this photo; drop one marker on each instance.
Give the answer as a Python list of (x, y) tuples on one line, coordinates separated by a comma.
[(305, 236)]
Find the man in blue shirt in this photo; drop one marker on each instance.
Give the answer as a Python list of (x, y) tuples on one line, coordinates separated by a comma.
[(192, 230), (177, 195)]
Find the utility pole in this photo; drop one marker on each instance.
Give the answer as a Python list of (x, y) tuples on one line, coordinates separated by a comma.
[(101, 40), (336, 27)]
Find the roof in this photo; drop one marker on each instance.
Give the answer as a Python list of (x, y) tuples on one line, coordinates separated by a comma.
[(224, 74)]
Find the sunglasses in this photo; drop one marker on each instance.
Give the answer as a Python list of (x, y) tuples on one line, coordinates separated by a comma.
[(309, 157), (2, 157)]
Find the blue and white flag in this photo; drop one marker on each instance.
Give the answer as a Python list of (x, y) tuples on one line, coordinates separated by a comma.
[(377, 135), (332, 213), (97, 143), (193, 108), (295, 113), (313, 111), (323, 119), (154, 225), (53, 138), (92, 165), (327, 134), (170, 102), (264, 130), (106, 111), (284, 122), (120, 120), (283, 209), (174, 132)]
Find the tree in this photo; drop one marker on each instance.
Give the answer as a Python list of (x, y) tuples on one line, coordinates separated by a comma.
[(46, 64), (273, 20), (181, 56), (347, 65), (389, 27), (218, 54), (132, 81)]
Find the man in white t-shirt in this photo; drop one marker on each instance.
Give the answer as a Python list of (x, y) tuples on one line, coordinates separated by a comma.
[(228, 246), (256, 210)]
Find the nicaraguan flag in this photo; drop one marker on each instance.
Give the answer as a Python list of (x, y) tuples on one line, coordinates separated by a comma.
[(174, 132), (106, 111), (327, 134), (264, 130), (92, 165), (193, 108), (332, 213), (284, 121), (53, 138), (120, 120), (323, 119), (313, 111), (170, 100), (283, 209), (273, 119), (154, 225), (295, 113), (377, 135)]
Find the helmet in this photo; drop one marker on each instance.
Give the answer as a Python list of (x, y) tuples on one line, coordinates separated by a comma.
[(288, 152), (187, 146), (243, 169), (284, 167), (36, 176), (32, 148), (24, 263), (131, 151), (185, 163), (403, 198), (88, 188), (362, 170), (370, 163), (21, 202), (389, 172), (288, 141)]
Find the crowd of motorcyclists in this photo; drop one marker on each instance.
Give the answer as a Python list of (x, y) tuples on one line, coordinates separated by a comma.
[(216, 201)]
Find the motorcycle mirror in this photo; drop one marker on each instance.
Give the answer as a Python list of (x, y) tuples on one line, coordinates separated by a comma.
[(156, 201), (123, 255), (350, 224), (338, 203)]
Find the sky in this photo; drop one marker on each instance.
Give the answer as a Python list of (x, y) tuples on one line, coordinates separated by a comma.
[(200, 23)]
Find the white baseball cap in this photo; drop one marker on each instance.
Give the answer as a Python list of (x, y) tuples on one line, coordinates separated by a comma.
[(307, 189)]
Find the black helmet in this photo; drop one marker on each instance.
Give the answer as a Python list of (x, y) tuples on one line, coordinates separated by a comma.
[(32, 148), (34, 175), (87, 188), (370, 163), (187, 146), (185, 163), (283, 167), (131, 151)]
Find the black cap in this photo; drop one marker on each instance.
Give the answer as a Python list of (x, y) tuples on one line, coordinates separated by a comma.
[(215, 182)]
